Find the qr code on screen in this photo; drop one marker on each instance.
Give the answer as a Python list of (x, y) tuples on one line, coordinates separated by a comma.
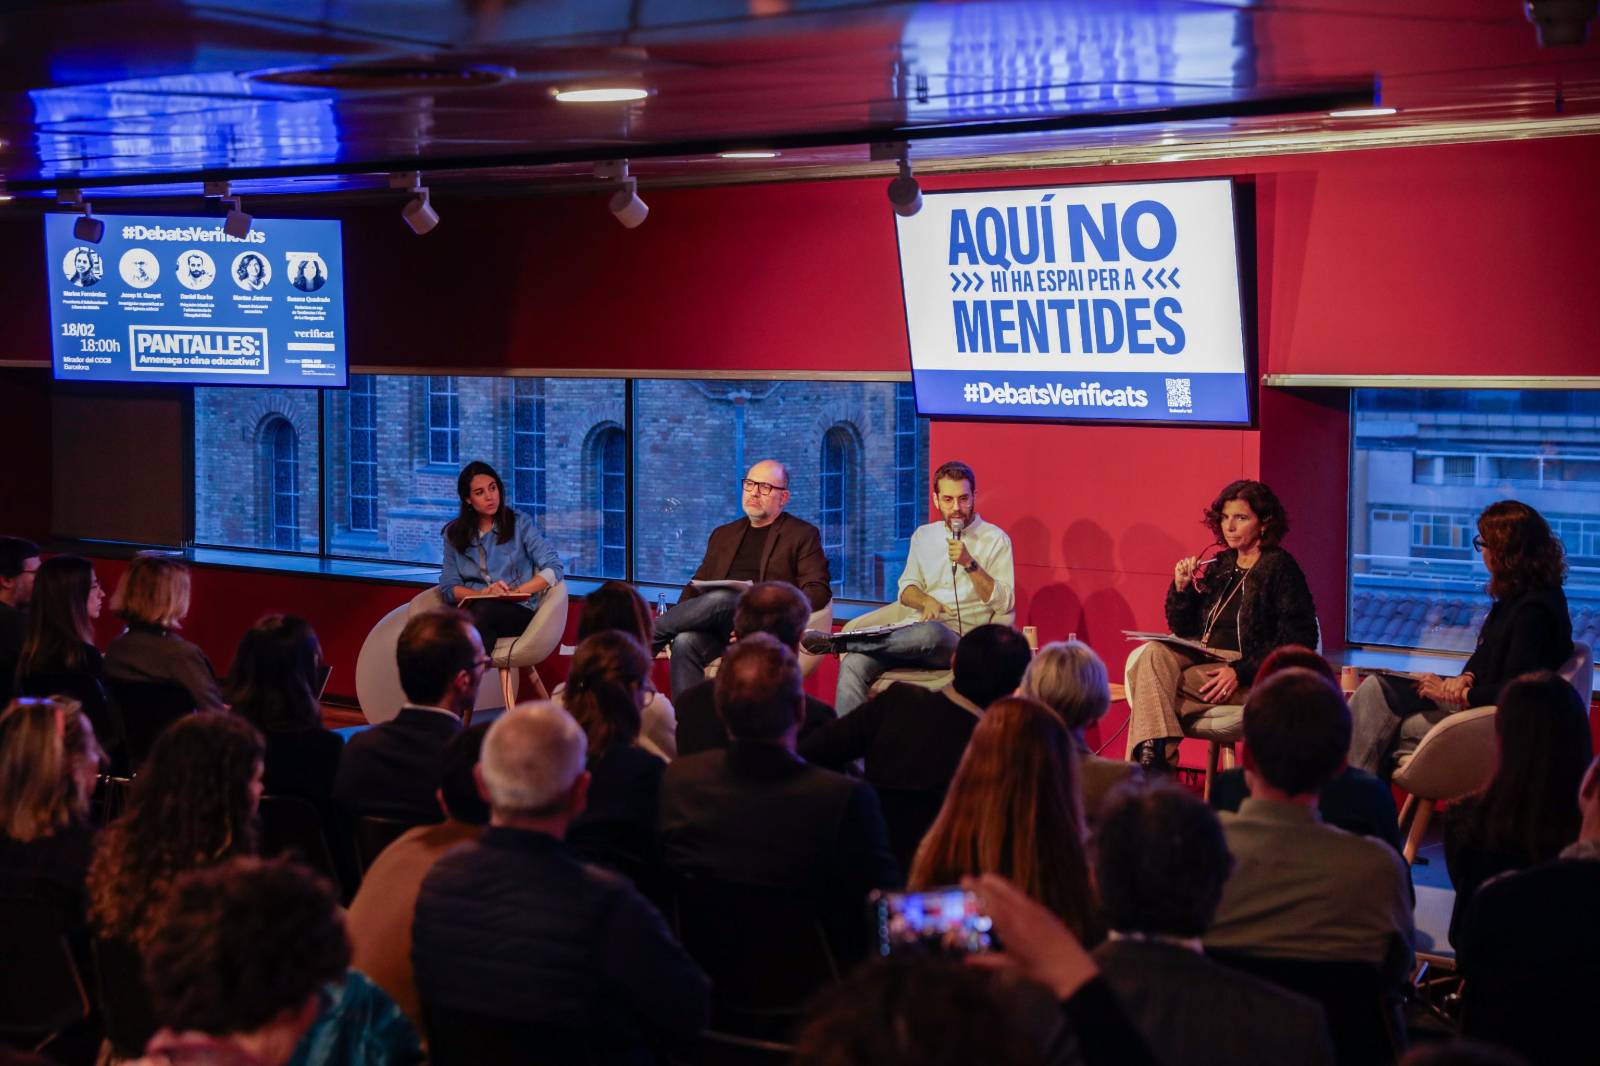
[(1178, 398)]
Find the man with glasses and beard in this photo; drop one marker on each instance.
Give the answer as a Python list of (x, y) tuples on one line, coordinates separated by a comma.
[(767, 544)]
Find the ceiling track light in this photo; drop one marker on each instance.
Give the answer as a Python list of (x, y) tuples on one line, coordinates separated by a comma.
[(418, 212), (905, 195), (625, 203), (87, 228), (237, 224)]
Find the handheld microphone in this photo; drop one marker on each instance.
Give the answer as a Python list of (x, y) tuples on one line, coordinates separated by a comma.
[(956, 526)]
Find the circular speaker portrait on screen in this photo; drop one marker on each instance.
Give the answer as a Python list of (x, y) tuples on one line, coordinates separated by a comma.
[(138, 268), (307, 271), (251, 271), (83, 267), (195, 269)]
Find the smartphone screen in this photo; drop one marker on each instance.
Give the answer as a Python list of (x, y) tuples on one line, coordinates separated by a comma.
[(941, 921)]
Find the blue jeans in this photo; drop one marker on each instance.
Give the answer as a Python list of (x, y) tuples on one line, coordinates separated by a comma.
[(698, 629), (1378, 734), (924, 646)]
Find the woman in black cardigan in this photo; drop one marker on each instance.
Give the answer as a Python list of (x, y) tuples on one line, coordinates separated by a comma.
[(1242, 604), (1528, 629)]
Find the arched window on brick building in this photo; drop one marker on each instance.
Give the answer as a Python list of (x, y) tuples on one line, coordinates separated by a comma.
[(840, 477), (280, 454)]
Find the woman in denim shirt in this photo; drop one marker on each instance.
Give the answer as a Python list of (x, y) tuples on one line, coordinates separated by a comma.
[(496, 562)]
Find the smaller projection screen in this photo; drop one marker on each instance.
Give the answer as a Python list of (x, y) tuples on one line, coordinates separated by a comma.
[(1089, 303), (177, 301)]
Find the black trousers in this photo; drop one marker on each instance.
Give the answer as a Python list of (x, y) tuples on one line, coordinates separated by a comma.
[(494, 619)]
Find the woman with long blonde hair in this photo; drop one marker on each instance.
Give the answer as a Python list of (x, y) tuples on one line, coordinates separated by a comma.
[(1013, 809)]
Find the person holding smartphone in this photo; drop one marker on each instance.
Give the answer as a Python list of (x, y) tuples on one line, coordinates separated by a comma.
[(1241, 603)]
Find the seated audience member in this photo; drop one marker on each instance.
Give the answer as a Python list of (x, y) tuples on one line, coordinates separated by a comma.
[(1069, 678), (757, 814), (605, 694), (48, 765), (19, 561), (781, 611), (380, 916), (59, 657), (514, 927), (1355, 801), (920, 1011), (766, 544), (1013, 809), (274, 684), (153, 597), (392, 769), (1528, 945), (1301, 889), (237, 960), (1160, 862), (1526, 815), (1461, 1053), (618, 605), (911, 739), (193, 805)]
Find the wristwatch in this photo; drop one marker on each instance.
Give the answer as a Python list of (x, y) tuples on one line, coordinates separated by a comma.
[(971, 567)]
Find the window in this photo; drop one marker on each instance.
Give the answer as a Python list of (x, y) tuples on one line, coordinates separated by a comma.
[(255, 468), (1425, 462), (611, 500), (361, 464), (444, 422), (563, 447), (833, 512), (527, 447), (283, 474)]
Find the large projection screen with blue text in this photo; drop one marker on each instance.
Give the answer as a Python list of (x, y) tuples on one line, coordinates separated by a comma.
[(1089, 303), (177, 301)]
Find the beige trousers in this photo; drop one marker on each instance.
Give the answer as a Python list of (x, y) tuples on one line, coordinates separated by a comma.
[(1166, 682)]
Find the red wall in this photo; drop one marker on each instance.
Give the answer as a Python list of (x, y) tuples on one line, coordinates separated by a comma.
[(1472, 259)]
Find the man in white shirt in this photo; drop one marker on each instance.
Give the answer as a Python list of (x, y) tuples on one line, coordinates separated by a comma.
[(959, 574)]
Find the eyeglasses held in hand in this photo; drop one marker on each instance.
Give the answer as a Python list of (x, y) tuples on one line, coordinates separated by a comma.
[(761, 488), (1201, 561)]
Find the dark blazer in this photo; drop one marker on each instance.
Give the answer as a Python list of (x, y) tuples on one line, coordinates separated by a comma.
[(617, 828), (304, 763), (13, 634), (759, 815), (1275, 608), (699, 728), (793, 553), (392, 769), (1530, 631), (513, 926), (1196, 1012)]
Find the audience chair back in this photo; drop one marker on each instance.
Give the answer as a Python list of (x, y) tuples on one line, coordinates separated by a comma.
[(1458, 755), (292, 826), (41, 991), (1221, 727), (766, 950), (899, 612), (125, 1007), (373, 834), (462, 1038), (1363, 1018), (146, 709), (97, 704)]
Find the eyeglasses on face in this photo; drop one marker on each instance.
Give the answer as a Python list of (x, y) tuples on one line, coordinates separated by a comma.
[(761, 488), (1477, 543)]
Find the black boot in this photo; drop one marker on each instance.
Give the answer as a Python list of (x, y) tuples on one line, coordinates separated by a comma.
[(1159, 755)]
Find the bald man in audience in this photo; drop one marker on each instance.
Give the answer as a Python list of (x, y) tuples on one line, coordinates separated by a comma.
[(514, 927), (767, 544)]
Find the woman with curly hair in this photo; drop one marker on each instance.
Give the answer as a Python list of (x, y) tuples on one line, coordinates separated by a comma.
[(193, 804), (606, 692), (1528, 629), (1251, 598), (1013, 809), (49, 761)]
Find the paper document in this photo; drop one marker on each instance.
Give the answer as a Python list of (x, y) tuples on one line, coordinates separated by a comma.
[(494, 596), (871, 631), (737, 586), (1172, 640)]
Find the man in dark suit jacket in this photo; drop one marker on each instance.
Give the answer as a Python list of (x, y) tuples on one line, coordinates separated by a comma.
[(779, 610), (756, 814), (765, 545), (1161, 861), (911, 739), (392, 770)]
